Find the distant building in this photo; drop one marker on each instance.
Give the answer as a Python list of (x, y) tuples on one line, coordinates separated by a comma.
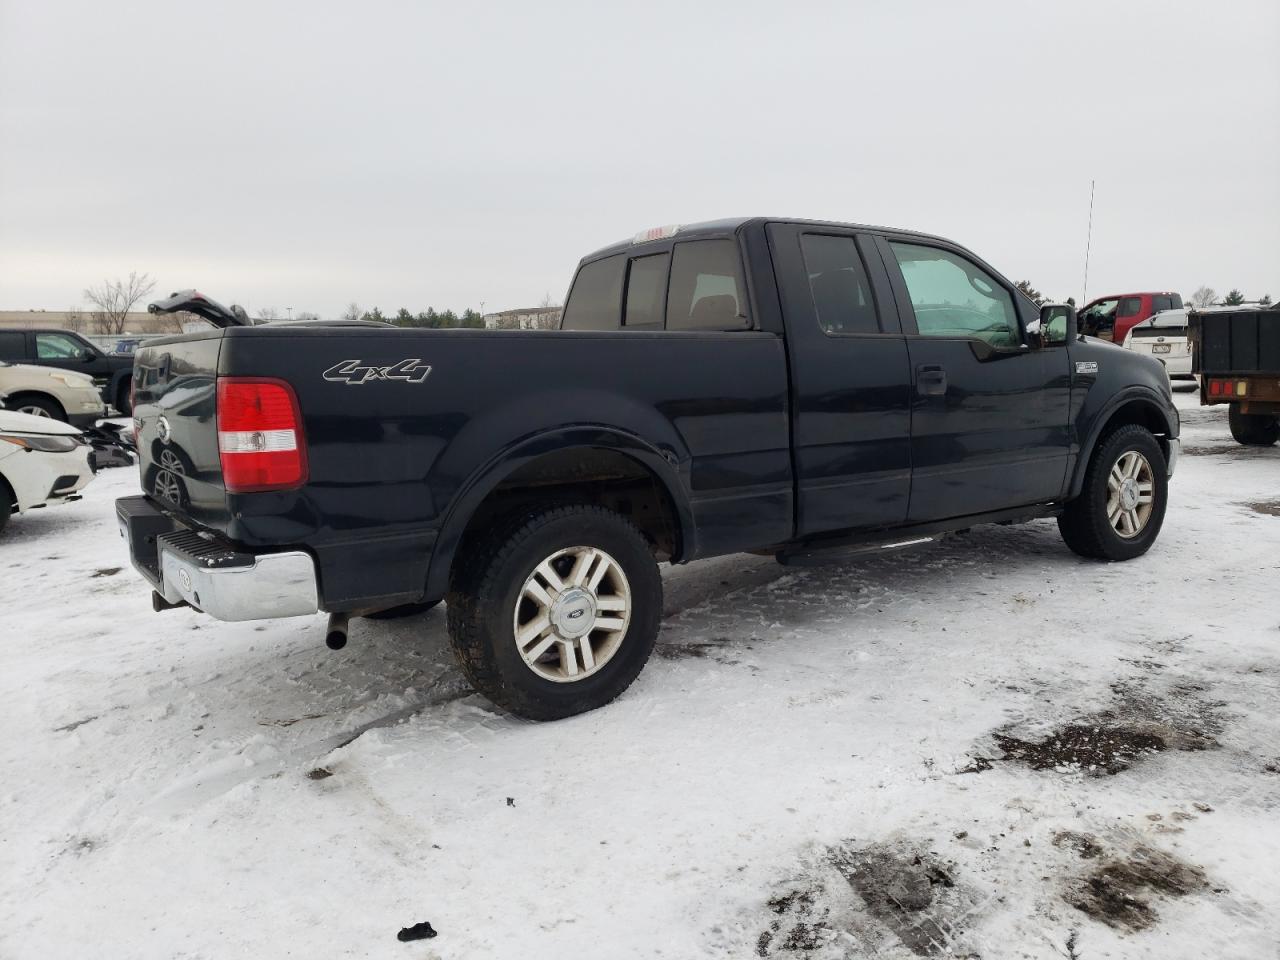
[(524, 318), (137, 322)]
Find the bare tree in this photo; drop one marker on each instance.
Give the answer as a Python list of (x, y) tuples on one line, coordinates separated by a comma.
[(353, 311), (175, 322), (75, 319), (268, 313), (113, 301), (1204, 297), (307, 315), (548, 316)]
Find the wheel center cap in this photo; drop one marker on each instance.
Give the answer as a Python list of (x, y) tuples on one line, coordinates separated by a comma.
[(1129, 494), (574, 613)]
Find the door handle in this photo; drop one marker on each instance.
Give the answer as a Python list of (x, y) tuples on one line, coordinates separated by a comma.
[(931, 380)]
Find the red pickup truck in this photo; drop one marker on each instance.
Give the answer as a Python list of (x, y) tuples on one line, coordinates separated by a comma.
[(1111, 318)]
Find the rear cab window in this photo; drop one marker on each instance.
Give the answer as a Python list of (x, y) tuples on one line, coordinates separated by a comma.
[(693, 285), (646, 292), (1129, 307), (706, 290), (595, 302)]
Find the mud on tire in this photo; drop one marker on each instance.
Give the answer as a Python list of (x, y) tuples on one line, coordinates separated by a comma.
[(1086, 524), (489, 597)]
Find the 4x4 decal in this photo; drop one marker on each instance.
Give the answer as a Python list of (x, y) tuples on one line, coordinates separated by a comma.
[(354, 373)]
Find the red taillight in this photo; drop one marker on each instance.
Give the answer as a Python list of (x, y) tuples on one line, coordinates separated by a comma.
[(260, 439), (1215, 388)]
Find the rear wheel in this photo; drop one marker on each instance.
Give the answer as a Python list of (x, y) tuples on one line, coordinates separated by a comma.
[(122, 403), (1121, 506), (38, 406), (555, 612), (1253, 429)]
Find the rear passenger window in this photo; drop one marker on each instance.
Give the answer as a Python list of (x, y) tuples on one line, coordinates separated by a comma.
[(706, 291), (838, 281), (595, 302), (1161, 303), (1129, 307), (646, 291), (13, 346)]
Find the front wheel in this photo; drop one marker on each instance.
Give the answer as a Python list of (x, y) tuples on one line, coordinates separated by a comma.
[(7, 504), (1121, 505), (1252, 429), (555, 612), (38, 407)]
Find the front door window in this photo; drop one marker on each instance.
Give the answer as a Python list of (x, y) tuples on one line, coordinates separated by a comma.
[(953, 298)]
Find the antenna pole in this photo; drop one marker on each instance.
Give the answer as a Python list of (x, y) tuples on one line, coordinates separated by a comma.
[(1084, 298)]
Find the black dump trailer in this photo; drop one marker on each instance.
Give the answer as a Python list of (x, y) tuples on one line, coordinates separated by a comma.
[(1236, 355)]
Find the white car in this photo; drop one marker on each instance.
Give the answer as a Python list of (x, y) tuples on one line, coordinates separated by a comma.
[(42, 461), (1164, 336), (51, 392)]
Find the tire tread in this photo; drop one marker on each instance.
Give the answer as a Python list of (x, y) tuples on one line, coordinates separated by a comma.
[(477, 575)]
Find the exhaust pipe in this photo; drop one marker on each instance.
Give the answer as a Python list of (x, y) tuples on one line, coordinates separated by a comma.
[(336, 636)]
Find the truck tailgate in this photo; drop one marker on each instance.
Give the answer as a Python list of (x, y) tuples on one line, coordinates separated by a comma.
[(175, 394)]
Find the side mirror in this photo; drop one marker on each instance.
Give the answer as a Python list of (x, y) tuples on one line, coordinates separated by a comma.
[(86, 354), (1057, 321)]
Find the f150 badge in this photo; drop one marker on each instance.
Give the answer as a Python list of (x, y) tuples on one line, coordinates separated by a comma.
[(354, 373)]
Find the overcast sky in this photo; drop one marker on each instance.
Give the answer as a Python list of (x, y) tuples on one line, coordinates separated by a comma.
[(310, 154)]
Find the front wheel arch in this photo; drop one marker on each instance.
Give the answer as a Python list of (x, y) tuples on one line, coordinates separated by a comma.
[(1136, 410), (50, 402)]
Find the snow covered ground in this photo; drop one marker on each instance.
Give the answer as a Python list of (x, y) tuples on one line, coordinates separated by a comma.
[(986, 747)]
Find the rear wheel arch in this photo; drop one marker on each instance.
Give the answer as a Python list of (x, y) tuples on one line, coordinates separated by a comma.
[(1134, 409), (616, 471)]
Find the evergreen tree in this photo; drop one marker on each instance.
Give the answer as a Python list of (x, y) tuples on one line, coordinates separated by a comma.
[(1030, 291), (1234, 298)]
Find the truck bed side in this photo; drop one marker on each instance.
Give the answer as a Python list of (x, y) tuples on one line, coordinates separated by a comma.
[(396, 466)]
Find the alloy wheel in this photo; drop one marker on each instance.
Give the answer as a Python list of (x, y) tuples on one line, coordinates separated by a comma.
[(1130, 494), (572, 614)]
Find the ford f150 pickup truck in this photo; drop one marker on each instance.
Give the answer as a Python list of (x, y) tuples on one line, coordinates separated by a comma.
[(804, 389)]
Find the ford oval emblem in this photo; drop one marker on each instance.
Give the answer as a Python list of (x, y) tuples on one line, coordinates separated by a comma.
[(162, 428)]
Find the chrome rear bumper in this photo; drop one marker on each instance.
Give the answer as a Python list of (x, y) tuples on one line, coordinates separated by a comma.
[(212, 575)]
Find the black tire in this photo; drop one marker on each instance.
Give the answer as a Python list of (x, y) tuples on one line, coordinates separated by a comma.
[(1085, 525), (6, 503), (50, 406), (1253, 429), (122, 403), (404, 610), (487, 585)]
